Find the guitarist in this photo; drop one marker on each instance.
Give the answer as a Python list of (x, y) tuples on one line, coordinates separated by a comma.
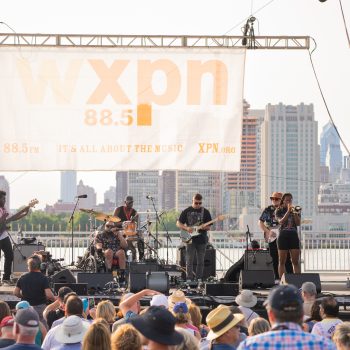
[(193, 216), (5, 243), (268, 224)]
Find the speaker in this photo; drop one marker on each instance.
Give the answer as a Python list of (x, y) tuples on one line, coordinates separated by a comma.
[(221, 289), (79, 288), (143, 267), (253, 279), (298, 279), (63, 276), (209, 261), (158, 281), (137, 282), (257, 260), (94, 280), (19, 261)]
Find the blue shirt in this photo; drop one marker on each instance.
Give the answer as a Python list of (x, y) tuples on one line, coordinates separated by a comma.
[(223, 347), (291, 338)]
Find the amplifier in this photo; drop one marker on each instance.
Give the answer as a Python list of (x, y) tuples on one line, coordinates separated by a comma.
[(221, 289), (257, 260), (21, 252)]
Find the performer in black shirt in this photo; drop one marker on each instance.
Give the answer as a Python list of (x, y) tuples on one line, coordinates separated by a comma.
[(193, 216), (269, 225)]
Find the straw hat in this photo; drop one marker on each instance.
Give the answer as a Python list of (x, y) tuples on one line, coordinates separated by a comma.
[(178, 296), (246, 298), (220, 320), (276, 195)]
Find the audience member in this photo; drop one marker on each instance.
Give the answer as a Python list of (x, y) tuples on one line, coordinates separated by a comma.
[(183, 319), (25, 328), (196, 318), (6, 334), (55, 310), (285, 312), (190, 342), (97, 337), (341, 336), (126, 337), (4, 310), (223, 329), (246, 300), (105, 309), (308, 293), (257, 326), (329, 310), (178, 296), (70, 333), (315, 316), (34, 287), (157, 325)]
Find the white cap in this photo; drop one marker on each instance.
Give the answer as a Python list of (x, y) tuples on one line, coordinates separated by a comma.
[(159, 300)]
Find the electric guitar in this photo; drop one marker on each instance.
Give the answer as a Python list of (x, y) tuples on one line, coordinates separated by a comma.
[(186, 237), (3, 225)]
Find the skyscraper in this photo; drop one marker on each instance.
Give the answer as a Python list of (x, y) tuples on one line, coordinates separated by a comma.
[(4, 186), (68, 186), (330, 153), (290, 155), (90, 201)]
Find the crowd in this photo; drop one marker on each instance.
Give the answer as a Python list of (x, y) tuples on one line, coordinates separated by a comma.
[(296, 319)]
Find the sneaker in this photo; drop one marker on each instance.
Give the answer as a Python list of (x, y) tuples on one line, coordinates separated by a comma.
[(6, 282)]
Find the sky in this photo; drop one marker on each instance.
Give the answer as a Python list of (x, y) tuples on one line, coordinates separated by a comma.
[(271, 76)]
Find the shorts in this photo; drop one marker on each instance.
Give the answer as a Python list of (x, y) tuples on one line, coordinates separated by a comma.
[(288, 239)]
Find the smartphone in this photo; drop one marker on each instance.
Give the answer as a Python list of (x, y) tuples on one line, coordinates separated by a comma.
[(91, 303)]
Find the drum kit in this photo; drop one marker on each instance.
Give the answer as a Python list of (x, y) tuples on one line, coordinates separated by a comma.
[(129, 229)]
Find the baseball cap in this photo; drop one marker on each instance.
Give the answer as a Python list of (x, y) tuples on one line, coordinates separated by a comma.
[(129, 199), (27, 317), (285, 298), (7, 322), (22, 305), (159, 300)]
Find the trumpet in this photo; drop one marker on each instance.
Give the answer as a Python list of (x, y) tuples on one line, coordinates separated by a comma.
[(296, 210)]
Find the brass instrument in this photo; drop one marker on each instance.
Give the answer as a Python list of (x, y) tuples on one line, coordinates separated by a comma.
[(296, 210)]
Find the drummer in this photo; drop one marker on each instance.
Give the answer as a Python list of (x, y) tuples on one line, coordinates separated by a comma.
[(112, 244), (127, 214)]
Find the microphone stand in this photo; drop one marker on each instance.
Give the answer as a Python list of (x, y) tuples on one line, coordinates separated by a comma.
[(247, 239), (167, 237), (157, 220), (71, 220)]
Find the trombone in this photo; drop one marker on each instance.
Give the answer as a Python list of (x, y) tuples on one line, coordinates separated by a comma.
[(296, 210)]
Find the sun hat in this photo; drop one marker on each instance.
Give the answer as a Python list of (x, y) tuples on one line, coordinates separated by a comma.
[(246, 298), (158, 325), (71, 330), (220, 320), (285, 298), (27, 317), (276, 195), (178, 296), (159, 300)]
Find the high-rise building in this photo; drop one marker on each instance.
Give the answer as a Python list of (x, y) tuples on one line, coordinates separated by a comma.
[(121, 186), (110, 195), (330, 151), (90, 201), (290, 155), (68, 186), (5, 186), (168, 190)]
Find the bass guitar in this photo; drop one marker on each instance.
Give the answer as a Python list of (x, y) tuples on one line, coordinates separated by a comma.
[(186, 236)]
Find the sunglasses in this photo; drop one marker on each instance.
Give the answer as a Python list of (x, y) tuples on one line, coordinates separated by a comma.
[(275, 199), (197, 203)]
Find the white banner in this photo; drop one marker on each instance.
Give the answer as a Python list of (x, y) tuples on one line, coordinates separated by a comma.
[(120, 109)]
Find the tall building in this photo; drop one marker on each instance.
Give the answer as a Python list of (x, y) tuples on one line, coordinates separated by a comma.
[(90, 201), (68, 186), (5, 186), (330, 151), (168, 190), (110, 195), (121, 186), (290, 155)]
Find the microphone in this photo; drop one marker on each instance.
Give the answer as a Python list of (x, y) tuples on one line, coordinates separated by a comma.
[(82, 196), (149, 197)]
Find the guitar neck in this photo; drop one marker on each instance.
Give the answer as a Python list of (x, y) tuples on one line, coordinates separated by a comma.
[(209, 222)]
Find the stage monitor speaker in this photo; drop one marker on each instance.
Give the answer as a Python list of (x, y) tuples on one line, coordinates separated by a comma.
[(158, 281), (299, 278), (79, 288), (21, 255), (63, 276), (137, 282), (143, 267), (257, 260), (94, 280), (209, 261), (221, 289), (253, 279)]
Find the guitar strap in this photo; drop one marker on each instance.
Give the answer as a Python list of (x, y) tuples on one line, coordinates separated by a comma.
[(202, 215)]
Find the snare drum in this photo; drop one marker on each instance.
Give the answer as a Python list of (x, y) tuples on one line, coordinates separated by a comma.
[(129, 228)]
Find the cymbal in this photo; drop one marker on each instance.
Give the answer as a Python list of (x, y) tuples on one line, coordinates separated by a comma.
[(100, 216)]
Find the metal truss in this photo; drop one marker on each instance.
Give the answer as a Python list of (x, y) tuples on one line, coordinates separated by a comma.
[(155, 41)]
